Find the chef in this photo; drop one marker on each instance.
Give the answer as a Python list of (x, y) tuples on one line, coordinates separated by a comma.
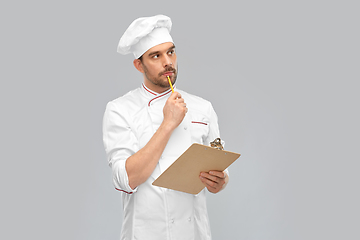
[(147, 129)]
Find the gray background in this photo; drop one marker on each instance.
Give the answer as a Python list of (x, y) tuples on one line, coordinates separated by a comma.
[(282, 76)]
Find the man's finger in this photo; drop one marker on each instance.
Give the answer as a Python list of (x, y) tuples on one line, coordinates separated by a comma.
[(218, 174), (175, 95), (212, 186), (210, 177), (209, 183), (180, 100)]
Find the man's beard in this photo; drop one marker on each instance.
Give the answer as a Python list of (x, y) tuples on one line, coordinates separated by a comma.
[(157, 80)]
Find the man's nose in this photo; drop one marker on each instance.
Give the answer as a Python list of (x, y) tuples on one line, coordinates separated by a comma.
[(167, 61)]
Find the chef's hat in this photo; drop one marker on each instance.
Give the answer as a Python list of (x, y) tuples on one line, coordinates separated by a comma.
[(145, 33)]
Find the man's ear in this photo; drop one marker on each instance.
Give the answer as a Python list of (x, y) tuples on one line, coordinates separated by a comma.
[(138, 65)]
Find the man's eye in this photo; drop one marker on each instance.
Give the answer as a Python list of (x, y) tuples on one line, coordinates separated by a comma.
[(155, 56), (171, 52)]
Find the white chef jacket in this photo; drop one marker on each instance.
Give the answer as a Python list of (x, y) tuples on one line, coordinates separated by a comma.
[(150, 212)]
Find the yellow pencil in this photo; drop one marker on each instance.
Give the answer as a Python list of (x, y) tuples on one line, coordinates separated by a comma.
[(172, 89)]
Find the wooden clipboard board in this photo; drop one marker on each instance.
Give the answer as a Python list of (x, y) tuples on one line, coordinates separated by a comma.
[(183, 174)]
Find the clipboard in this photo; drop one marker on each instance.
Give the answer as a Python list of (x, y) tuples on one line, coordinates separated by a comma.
[(183, 174)]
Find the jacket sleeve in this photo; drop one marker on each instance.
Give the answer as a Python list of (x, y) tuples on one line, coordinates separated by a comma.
[(120, 143), (214, 131)]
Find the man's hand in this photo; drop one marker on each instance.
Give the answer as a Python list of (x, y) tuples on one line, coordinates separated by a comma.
[(174, 110), (214, 180)]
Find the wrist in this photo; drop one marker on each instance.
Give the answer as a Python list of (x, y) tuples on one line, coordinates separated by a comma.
[(168, 126)]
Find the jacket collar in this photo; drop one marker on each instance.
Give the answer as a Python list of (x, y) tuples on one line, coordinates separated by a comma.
[(152, 96)]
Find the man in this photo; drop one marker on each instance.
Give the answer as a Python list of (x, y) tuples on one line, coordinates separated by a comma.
[(147, 129)]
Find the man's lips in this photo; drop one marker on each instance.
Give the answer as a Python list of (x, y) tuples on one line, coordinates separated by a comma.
[(168, 74)]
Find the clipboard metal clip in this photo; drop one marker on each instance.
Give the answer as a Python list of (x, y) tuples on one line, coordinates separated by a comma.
[(217, 144)]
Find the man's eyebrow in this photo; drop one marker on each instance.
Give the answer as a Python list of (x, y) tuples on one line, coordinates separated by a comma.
[(172, 47), (153, 53)]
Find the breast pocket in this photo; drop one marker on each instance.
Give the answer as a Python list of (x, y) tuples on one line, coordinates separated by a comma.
[(199, 130)]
